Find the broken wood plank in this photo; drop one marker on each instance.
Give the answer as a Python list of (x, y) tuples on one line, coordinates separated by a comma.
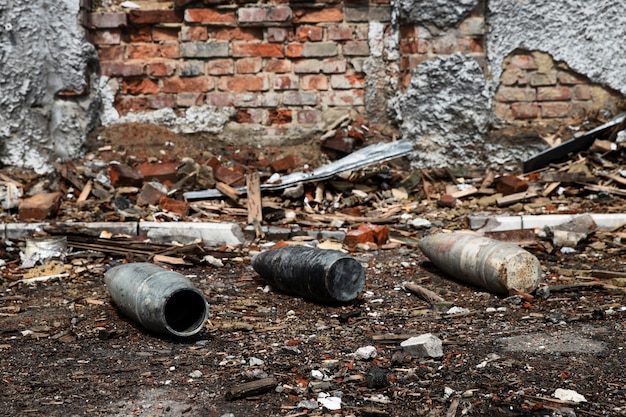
[(516, 198), (422, 292), (252, 388), (464, 193), (84, 194), (255, 209), (228, 191)]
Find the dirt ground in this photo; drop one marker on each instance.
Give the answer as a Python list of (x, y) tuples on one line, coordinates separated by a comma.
[(65, 349)]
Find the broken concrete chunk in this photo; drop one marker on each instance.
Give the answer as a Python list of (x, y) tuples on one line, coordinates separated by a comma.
[(425, 345), (571, 233)]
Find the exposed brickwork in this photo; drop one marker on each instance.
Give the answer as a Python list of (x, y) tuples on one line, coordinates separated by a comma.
[(295, 58), (283, 63), (534, 88)]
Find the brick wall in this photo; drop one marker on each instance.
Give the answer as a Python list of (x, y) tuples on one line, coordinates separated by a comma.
[(284, 64), (277, 64)]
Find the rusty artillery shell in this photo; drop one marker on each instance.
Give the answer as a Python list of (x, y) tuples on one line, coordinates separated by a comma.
[(491, 264), (321, 275)]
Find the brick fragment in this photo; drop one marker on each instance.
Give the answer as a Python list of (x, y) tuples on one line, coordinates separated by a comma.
[(266, 50), (554, 109), (122, 175), (139, 17), (40, 206), (525, 110), (553, 93), (209, 16), (174, 206), (510, 184), (318, 16), (446, 200), (284, 164), (163, 172), (309, 33), (367, 233)]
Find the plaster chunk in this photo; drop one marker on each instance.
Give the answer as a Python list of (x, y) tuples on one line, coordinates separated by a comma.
[(441, 13)]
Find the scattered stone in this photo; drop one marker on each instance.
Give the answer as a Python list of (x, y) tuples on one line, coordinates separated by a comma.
[(39, 207), (425, 345), (377, 377), (569, 395), (365, 353)]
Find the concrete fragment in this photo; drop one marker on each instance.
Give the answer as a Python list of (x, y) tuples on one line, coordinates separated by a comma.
[(212, 234), (572, 232), (39, 207), (487, 223), (425, 345), (569, 395), (15, 231), (151, 193), (365, 353)]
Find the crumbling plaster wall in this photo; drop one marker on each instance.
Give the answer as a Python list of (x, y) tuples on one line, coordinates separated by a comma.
[(587, 35), (448, 116), (45, 95)]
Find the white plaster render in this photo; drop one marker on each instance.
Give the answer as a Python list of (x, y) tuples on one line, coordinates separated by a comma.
[(43, 51), (587, 35)]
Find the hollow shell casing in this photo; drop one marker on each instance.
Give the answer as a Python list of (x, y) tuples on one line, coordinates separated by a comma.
[(161, 300), (491, 264)]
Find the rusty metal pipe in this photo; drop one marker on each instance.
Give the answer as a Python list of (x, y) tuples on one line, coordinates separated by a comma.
[(161, 300)]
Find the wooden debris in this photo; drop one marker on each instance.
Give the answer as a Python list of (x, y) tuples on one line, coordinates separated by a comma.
[(426, 294), (250, 389)]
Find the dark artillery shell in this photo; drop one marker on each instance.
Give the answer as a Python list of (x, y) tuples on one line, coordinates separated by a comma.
[(320, 275)]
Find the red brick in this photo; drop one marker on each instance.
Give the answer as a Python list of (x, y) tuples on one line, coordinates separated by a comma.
[(122, 69), (582, 92), (237, 34), (161, 69), (39, 207), (209, 16), (506, 94), (111, 53), (510, 184), (220, 99), (309, 116), (555, 109), (342, 98), (309, 33), (227, 176), (333, 66), (249, 65), (278, 65), (553, 93), (409, 46), (286, 82), (194, 33), (300, 98), (569, 78), (162, 172), (512, 77), (146, 51), (161, 101), (266, 50), (356, 48), (140, 34), (107, 37), (366, 233), (346, 82), (294, 50), (318, 16), (165, 34), (279, 117), (315, 82), (284, 164), (446, 200), (339, 33), (174, 206), (189, 99), (279, 35), (252, 14), (122, 175), (243, 83), (107, 20), (141, 86), (139, 17), (150, 194), (354, 237), (538, 79), (278, 14), (187, 85), (130, 103), (220, 66), (525, 110), (523, 62)]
